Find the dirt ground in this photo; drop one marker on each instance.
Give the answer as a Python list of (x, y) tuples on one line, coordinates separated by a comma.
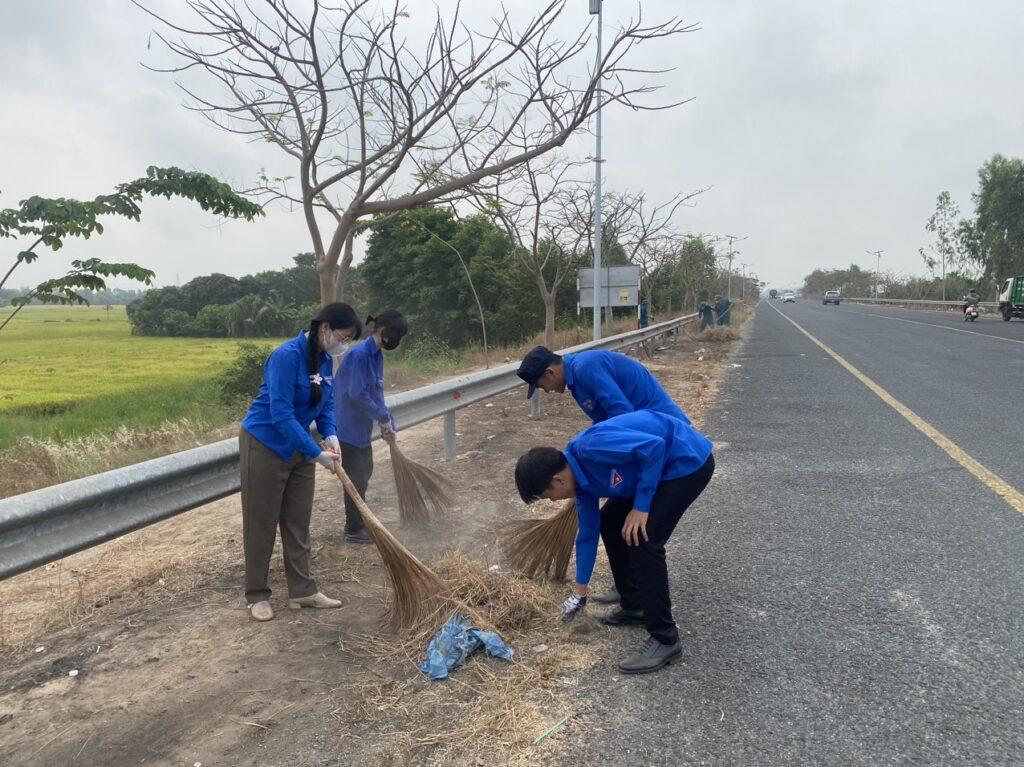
[(141, 651)]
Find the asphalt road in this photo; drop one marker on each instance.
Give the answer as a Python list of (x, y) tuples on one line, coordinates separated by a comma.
[(848, 592)]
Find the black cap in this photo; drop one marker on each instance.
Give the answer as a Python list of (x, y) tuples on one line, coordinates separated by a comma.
[(533, 366)]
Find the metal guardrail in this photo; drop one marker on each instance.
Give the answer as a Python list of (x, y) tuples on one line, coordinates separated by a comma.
[(54, 522)]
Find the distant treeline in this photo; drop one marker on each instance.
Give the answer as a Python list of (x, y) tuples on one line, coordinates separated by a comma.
[(109, 297), (411, 265)]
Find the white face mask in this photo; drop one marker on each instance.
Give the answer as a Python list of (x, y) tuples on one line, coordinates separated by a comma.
[(337, 348)]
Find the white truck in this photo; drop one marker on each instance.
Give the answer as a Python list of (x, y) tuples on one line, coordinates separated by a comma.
[(1011, 298)]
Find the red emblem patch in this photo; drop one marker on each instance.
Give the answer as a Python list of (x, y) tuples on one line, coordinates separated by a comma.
[(616, 478)]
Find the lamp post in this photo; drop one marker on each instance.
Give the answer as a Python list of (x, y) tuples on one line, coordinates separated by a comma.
[(728, 287), (596, 8), (743, 285), (878, 260)]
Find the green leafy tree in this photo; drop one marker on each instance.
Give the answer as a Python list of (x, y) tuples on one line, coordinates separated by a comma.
[(946, 254), (995, 238), (47, 223)]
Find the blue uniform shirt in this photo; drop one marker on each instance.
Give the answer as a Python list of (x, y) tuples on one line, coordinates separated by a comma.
[(359, 402), (627, 456), (280, 415), (607, 384)]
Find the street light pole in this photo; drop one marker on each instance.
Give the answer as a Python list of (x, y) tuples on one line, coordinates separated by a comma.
[(878, 260), (743, 285), (597, 7), (728, 287)]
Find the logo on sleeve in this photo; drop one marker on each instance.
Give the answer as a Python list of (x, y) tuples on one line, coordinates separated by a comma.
[(616, 479)]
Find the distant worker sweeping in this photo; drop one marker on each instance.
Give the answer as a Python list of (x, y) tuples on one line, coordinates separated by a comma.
[(651, 467), (277, 455), (359, 404)]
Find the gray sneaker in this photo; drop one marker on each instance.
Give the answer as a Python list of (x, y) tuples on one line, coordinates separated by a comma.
[(609, 597), (652, 657)]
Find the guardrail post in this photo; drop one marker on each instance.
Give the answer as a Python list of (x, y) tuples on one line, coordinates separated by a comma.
[(449, 435), (535, 404)]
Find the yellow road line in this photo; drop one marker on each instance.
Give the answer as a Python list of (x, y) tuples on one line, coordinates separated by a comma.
[(944, 327), (993, 481)]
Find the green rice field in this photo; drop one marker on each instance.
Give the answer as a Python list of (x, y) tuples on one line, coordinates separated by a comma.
[(67, 372)]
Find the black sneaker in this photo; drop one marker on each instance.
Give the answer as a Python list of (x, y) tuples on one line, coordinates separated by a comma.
[(621, 617), (358, 536), (652, 657)]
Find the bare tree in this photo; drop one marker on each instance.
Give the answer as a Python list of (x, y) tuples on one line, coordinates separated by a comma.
[(643, 233), (381, 115), (529, 203)]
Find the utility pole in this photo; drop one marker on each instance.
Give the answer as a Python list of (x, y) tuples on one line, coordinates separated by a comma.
[(878, 260), (597, 8), (731, 238), (743, 285)]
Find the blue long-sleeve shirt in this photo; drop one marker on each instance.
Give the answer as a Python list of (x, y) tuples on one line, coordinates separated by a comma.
[(359, 401), (627, 456), (280, 415), (607, 384)]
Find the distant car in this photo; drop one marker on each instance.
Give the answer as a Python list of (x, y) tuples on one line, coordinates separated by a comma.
[(788, 298), (830, 297)]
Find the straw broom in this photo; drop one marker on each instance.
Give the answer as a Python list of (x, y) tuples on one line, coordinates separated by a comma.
[(417, 593), (543, 545), (418, 488)]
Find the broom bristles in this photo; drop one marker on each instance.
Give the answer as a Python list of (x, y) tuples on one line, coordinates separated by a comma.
[(544, 545), (421, 490), (417, 593)]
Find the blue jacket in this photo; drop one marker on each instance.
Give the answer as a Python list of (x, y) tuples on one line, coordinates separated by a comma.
[(607, 384), (359, 402), (280, 415), (627, 456)]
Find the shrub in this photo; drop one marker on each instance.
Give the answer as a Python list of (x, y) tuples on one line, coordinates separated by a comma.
[(427, 353), (241, 380)]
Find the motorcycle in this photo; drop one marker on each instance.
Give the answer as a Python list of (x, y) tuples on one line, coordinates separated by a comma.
[(970, 313)]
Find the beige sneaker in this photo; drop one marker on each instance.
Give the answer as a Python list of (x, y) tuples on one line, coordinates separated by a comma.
[(317, 600), (261, 611)]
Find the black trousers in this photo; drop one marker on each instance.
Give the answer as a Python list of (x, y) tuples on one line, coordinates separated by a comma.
[(640, 572), (358, 464)]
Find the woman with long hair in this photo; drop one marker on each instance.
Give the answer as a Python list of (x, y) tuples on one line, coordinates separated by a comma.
[(277, 456)]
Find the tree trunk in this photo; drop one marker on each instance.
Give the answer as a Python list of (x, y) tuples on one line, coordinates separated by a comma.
[(549, 320)]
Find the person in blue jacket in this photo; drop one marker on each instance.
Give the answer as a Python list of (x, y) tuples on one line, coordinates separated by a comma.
[(651, 467), (723, 310), (603, 383), (359, 404), (276, 455)]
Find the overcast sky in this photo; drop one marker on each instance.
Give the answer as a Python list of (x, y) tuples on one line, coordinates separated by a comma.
[(824, 128)]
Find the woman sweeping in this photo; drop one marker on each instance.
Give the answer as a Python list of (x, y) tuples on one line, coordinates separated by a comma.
[(277, 455), (359, 404)]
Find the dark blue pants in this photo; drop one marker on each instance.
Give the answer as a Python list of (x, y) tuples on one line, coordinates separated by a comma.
[(640, 572)]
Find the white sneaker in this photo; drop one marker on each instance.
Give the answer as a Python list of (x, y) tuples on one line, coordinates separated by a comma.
[(316, 600), (261, 611)]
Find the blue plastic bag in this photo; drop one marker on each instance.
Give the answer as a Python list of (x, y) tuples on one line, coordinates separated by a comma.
[(455, 642)]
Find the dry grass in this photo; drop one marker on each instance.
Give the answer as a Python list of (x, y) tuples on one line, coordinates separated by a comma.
[(32, 464), (501, 708), (543, 546)]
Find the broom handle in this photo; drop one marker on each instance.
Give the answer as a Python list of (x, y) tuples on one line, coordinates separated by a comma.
[(368, 516)]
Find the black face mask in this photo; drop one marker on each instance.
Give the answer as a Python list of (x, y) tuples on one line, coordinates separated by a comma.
[(390, 343)]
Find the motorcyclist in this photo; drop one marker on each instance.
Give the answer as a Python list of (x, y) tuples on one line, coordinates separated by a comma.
[(971, 299)]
